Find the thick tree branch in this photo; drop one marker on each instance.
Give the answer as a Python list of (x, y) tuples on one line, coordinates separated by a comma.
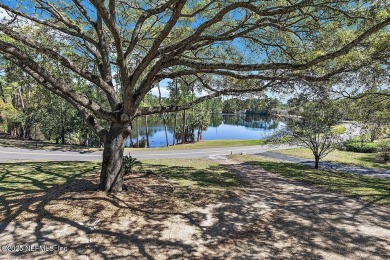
[(23, 61), (73, 66), (109, 18)]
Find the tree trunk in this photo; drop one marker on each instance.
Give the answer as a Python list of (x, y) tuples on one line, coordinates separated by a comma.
[(62, 135), (174, 130), (166, 129), (111, 177), (2, 93), (317, 160), (131, 137), (183, 133), (137, 144), (62, 123), (147, 131)]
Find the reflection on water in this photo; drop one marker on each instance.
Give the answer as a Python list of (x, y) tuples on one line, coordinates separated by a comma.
[(222, 127)]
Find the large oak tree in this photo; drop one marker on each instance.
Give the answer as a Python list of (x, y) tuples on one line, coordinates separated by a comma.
[(124, 48)]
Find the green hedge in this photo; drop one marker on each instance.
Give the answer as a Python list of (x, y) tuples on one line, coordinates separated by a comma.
[(358, 147)]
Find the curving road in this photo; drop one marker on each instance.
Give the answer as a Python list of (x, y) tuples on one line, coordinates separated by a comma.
[(16, 154)]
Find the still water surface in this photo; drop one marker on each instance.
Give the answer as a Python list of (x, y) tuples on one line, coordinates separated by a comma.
[(222, 127)]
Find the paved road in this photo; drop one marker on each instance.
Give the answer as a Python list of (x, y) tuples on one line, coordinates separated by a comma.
[(16, 154)]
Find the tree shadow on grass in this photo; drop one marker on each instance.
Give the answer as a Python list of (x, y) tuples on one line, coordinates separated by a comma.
[(89, 222), (375, 158), (272, 218), (369, 188)]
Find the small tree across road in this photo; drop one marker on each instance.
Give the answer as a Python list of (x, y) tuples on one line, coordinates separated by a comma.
[(314, 129)]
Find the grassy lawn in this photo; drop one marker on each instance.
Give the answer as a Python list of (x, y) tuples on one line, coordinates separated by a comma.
[(71, 188), (203, 145), (339, 129), (27, 144), (35, 177), (44, 145), (193, 172), (362, 187), (368, 160)]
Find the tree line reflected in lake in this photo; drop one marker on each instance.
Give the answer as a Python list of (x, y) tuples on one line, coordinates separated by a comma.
[(221, 127)]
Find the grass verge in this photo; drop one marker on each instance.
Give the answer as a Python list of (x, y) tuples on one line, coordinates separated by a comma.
[(367, 160), (41, 145), (366, 188), (202, 145)]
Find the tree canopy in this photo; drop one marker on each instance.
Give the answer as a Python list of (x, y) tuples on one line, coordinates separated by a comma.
[(122, 49)]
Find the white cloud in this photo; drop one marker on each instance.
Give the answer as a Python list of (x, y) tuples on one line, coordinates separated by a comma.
[(164, 91), (4, 15)]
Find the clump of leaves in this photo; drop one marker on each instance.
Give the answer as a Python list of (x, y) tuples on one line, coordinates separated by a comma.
[(384, 150), (129, 162)]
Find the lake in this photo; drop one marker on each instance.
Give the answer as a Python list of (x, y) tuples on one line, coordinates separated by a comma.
[(222, 127)]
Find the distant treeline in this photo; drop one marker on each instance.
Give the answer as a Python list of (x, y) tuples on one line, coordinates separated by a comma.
[(261, 106)]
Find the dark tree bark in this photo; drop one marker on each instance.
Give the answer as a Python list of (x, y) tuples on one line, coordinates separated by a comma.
[(111, 176), (317, 161)]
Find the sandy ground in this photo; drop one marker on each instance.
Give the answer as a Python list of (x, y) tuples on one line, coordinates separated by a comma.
[(271, 217)]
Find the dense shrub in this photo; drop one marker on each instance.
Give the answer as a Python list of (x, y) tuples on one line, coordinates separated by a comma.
[(384, 150), (129, 163), (359, 147)]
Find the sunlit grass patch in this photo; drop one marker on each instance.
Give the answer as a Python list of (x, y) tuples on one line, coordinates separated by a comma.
[(193, 172), (31, 177), (368, 160), (203, 145)]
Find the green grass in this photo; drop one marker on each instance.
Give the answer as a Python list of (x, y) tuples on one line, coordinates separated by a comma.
[(203, 145), (339, 129), (193, 172), (362, 187), (368, 160), (32, 189), (33, 177)]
